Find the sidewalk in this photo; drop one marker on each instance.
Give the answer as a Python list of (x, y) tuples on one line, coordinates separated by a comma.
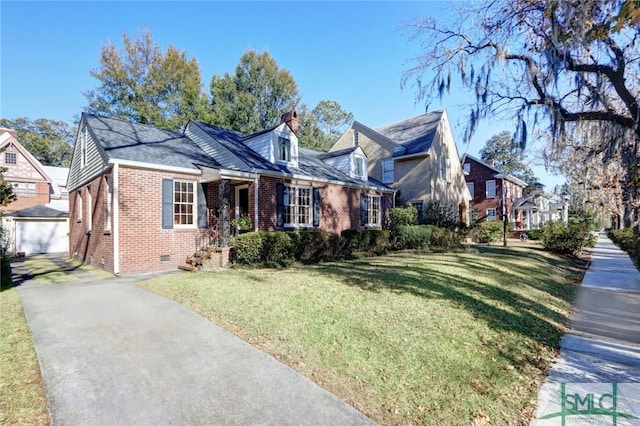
[(602, 346)]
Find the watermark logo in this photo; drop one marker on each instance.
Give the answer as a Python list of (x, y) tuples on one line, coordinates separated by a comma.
[(614, 404)]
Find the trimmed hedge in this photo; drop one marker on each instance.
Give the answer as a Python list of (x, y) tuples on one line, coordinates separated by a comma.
[(489, 232), (623, 238), (413, 236), (567, 239)]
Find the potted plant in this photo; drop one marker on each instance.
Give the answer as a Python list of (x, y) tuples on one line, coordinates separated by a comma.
[(241, 224)]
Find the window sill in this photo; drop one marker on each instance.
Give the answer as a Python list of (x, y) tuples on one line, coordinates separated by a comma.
[(107, 232)]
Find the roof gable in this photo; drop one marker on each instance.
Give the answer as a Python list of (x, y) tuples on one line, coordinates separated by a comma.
[(7, 140), (415, 134), (123, 140)]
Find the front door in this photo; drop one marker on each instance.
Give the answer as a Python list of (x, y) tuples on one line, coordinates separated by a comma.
[(242, 201)]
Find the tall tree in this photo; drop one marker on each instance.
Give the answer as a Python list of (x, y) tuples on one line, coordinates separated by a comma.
[(566, 64), (507, 157), (320, 128), (255, 96), (50, 141), (140, 83)]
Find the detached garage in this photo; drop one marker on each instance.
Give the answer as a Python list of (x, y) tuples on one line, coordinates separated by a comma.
[(40, 229)]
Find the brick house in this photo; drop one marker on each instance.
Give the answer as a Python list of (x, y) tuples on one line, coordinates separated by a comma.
[(418, 157), (31, 184), (489, 188), (143, 199)]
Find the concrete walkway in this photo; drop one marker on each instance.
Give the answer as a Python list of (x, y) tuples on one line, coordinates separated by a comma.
[(601, 348), (114, 354)]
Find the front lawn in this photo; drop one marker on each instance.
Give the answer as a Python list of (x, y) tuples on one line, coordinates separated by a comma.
[(407, 338)]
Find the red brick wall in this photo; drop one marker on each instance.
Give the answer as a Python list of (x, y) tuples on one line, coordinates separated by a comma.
[(96, 247), (142, 240), (24, 201), (479, 175)]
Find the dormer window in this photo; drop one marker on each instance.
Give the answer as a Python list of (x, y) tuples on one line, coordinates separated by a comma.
[(284, 149), (359, 167)]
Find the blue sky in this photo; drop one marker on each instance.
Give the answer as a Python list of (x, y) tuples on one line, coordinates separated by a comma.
[(350, 52)]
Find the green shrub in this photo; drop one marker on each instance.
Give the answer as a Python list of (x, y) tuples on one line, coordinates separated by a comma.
[(276, 247), (623, 238), (248, 248), (442, 217), (534, 234), (489, 232), (315, 246), (413, 236), (446, 238), (567, 239), (403, 216), (379, 241), (354, 240)]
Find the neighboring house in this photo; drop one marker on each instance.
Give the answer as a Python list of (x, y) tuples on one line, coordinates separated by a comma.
[(33, 223), (31, 184), (418, 157), (143, 199), (536, 208), (491, 189), (59, 196)]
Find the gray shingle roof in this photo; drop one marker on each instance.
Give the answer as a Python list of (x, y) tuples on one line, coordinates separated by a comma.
[(414, 134), (38, 211), (140, 142), (338, 153)]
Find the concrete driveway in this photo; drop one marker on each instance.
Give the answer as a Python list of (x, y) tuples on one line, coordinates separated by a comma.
[(114, 354)]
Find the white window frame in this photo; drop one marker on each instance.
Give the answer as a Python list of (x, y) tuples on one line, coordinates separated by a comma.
[(491, 215), (294, 209), (418, 205), (89, 210), (490, 189), (183, 193), (13, 156), (374, 217), (83, 147), (358, 160), (283, 149), (108, 201), (471, 186), (388, 170), (467, 167), (79, 206), (444, 169)]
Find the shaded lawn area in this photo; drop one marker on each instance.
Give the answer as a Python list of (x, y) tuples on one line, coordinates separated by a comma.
[(449, 338), (22, 397)]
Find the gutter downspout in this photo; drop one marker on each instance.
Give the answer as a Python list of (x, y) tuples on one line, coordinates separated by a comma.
[(116, 221), (256, 203)]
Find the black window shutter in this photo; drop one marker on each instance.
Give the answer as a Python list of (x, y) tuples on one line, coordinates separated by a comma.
[(167, 204), (203, 212), (363, 209), (316, 207), (279, 205), (383, 209)]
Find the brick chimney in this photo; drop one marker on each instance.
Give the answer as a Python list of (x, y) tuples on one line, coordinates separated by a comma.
[(291, 118), (10, 131)]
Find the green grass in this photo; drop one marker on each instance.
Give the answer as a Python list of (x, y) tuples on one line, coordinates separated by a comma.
[(22, 397), (45, 271), (407, 338)]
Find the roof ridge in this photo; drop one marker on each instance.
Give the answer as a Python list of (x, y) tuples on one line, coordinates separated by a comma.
[(440, 112)]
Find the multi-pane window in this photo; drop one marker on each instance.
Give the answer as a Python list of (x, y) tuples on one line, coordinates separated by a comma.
[(490, 189), (183, 203), (297, 201), (373, 210), (284, 149), (387, 171), (10, 158), (472, 189), (419, 205), (467, 167), (491, 215), (24, 188), (444, 169)]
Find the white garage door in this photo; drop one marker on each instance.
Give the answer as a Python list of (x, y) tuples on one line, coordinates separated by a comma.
[(35, 236)]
